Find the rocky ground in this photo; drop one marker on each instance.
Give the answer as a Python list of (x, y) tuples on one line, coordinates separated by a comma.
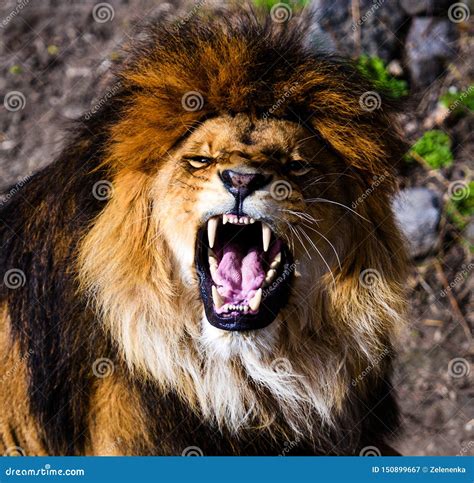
[(55, 56)]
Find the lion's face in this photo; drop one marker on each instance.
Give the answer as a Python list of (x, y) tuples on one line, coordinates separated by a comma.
[(243, 207)]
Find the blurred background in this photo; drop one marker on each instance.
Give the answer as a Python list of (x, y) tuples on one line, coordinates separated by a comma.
[(55, 59)]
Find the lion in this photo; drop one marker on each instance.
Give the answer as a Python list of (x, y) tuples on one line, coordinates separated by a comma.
[(212, 261)]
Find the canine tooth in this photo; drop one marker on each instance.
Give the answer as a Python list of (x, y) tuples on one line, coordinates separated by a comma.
[(224, 219), (266, 236), (276, 261), (218, 302), (211, 230), (254, 303)]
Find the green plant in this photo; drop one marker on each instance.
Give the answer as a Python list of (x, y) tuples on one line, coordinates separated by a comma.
[(433, 148), (15, 69), (374, 68), (454, 100)]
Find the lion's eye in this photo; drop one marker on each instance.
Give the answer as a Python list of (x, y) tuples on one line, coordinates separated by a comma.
[(199, 161), (298, 167)]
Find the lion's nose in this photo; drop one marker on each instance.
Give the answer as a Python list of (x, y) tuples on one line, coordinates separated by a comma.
[(243, 184)]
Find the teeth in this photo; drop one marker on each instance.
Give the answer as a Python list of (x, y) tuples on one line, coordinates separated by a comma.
[(270, 275), (276, 261), (266, 235), (235, 220), (211, 230), (254, 304), (218, 302)]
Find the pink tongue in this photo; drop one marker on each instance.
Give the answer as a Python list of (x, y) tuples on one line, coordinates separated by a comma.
[(239, 275)]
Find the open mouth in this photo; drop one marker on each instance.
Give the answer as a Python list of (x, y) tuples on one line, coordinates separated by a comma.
[(244, 272)]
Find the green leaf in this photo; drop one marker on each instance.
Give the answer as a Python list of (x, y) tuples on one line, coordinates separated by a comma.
[(434, 147), (374, 68)]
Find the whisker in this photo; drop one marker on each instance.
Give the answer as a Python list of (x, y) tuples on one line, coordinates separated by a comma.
[(324, 200), (332, 246), (319, 253)]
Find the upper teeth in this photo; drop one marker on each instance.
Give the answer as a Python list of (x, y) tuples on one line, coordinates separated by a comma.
[(236, 220)]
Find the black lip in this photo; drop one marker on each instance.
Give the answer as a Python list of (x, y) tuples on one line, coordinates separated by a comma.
[(274, 298)]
